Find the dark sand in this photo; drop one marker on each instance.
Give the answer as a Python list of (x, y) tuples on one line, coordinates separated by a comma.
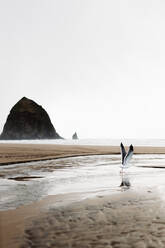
[(128, 219), (17, 153)]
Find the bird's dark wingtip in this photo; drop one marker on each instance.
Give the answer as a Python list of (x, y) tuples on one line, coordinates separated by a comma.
[(131, 147)]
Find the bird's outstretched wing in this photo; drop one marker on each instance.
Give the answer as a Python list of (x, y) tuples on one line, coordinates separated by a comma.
[(123, 152), (129, 155)]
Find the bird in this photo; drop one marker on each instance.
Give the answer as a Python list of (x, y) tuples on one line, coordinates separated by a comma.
[(126, 157)]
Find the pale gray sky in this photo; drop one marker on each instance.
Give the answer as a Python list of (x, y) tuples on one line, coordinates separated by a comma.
[(96, 66)]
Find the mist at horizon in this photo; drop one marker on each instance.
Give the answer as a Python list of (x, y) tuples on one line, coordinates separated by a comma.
[(96, 67)]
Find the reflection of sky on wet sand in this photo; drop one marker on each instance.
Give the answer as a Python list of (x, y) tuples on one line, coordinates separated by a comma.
[(91, 175)]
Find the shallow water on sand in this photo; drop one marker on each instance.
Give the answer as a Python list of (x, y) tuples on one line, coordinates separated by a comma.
[(22, 184)]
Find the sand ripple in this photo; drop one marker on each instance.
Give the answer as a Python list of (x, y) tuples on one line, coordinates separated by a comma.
[(127, 221)]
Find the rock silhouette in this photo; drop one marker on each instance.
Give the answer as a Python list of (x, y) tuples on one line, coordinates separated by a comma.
[(28, 120), (74, 136)]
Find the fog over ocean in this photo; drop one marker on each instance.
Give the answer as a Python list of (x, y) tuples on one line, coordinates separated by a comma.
[(99, 142)]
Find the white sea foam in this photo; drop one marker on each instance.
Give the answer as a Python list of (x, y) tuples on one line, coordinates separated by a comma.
[(101, 142)]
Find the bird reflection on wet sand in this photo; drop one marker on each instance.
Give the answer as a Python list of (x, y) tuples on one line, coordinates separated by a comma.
[(125, 182)]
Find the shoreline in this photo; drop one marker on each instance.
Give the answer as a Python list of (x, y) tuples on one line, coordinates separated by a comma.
[(115, 220), (23, 153)]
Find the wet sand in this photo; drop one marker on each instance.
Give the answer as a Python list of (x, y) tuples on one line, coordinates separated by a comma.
[(18, 153), (127, 219)]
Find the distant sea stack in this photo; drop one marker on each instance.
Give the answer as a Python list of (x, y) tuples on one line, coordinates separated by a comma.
[(74, 136), (28, 120)]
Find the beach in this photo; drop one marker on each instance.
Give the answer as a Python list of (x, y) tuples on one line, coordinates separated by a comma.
[(82, 141), (118, 217), (18, 153), (130, 220)]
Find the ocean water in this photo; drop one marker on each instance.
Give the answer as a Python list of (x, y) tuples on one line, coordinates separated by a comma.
[(101, 142)]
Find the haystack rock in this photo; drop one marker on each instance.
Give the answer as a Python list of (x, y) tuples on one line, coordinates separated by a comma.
[(74, 136), (28, 120)]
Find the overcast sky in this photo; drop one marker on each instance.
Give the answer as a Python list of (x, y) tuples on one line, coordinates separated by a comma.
[(96, 66)]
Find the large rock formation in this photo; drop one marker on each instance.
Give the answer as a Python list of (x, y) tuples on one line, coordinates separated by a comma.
[(74, 136), (28, 120)]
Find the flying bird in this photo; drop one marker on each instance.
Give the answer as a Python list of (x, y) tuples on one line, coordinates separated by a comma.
[(126, 157)]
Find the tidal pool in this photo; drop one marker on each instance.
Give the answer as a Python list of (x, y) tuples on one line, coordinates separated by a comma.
[(86, 176)]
